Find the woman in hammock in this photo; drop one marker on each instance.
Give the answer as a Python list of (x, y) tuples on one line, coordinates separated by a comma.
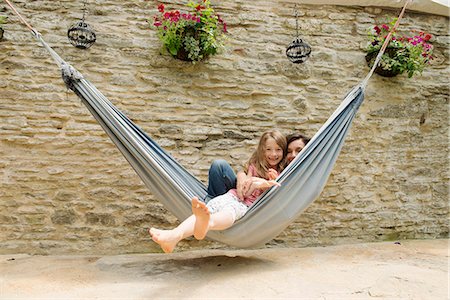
[(221, 212), (221, 177)]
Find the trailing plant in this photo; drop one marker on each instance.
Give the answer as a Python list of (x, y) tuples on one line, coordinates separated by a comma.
[(193, 35), (3, 20), (405, 53)]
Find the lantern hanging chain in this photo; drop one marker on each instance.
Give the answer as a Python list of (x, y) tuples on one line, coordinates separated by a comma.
[(84, 9), (296, 20)]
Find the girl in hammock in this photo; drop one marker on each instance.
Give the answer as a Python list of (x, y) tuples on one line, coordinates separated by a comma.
[(221, 212)]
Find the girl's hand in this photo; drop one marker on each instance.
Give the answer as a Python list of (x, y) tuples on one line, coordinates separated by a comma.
[(272, 174)]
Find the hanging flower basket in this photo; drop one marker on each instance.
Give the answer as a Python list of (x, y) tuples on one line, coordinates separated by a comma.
[(404, 54), (191, 36), (389, 72), (189, 33)]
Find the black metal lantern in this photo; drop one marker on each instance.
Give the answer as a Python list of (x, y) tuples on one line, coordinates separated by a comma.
[(298, 51), (80, 34)]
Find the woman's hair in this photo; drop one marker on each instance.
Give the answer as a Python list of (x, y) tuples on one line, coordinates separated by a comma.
[(297, 136), (258, 157)]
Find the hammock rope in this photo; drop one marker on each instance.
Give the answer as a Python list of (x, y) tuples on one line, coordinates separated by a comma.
[(301, 181)]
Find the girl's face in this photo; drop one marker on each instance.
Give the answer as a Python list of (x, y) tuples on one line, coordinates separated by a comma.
[(294, 148), (273, 153)]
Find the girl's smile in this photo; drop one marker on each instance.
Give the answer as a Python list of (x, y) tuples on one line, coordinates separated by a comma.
[(273, 153)]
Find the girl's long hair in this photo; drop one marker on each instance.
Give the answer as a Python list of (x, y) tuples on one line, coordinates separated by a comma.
[(258, 158)]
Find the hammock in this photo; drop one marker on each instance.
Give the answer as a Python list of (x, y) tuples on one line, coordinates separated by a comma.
[(301, 182)]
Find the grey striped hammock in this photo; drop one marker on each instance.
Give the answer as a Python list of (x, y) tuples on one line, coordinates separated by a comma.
[(301, 182)]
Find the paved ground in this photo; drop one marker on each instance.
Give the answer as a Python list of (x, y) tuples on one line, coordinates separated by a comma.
[(410, 270)]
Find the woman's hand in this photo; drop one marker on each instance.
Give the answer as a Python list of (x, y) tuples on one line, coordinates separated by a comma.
[(247, 185), (256, 183)]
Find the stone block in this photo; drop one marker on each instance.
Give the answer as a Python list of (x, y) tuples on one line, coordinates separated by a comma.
[(64, 217)]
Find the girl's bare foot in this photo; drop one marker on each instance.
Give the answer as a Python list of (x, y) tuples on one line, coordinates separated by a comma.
[(202, 217), (167, 239)]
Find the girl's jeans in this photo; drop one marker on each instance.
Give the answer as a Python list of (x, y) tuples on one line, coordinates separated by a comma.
[(221, 179)]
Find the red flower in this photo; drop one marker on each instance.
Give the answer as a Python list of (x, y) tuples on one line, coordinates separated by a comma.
[(199, 7), (161, 8), (427, 37), (377, 29), (385, 27)]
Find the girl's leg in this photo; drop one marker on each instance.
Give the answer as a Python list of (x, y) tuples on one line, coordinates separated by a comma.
[(168, 239), (197, 224), (204, 221)]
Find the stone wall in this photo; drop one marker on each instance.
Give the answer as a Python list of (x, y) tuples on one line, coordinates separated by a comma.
[(65, 188)]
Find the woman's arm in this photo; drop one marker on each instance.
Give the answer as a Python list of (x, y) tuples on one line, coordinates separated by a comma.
[(247, 184), (242, 184), (257, 183)]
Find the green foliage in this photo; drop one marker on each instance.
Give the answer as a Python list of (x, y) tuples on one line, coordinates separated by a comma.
[(197, 34), (408, 54), (3, 20)]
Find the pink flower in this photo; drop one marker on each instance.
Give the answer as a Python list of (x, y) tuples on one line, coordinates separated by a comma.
[(385, 27), (158, 23)]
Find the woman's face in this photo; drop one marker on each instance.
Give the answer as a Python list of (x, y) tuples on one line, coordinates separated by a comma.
[(294, 149), (273, 153)]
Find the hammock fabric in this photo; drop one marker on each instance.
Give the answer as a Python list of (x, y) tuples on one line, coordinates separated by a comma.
[(301, 182)]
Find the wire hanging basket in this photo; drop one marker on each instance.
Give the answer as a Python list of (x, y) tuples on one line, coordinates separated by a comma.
[(298, 51), (81, 34)]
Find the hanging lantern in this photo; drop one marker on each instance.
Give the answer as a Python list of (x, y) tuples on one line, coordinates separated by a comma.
[(81, 34), (298, 51)]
